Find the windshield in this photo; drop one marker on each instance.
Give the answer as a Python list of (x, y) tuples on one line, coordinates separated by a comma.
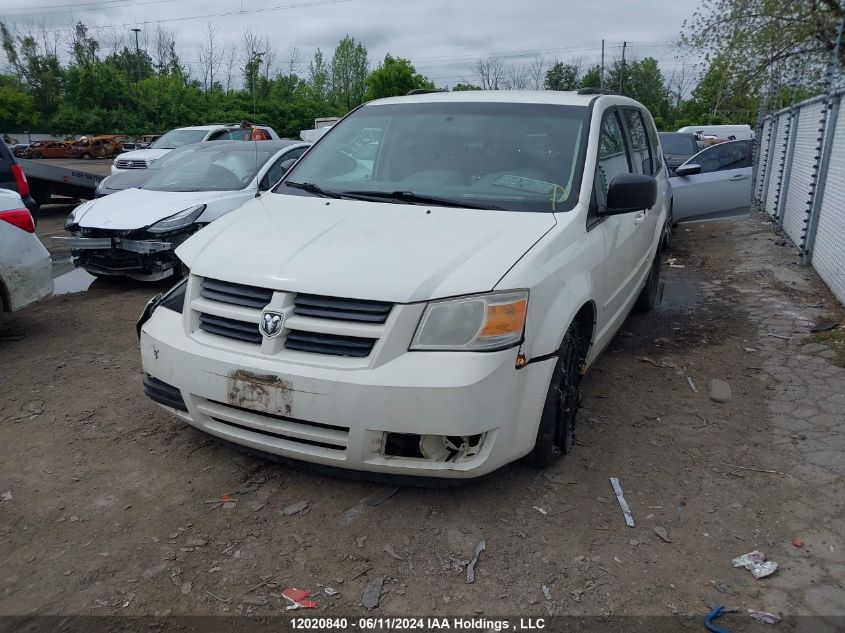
[(178, 138), (228, 168), (511, 156), (678, 144), (171, 157)]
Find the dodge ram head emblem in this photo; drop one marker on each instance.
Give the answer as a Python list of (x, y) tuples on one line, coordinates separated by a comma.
[(271, 323)]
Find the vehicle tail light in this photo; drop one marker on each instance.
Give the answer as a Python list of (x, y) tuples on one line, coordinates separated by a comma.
[(20, 218), (20, 180)]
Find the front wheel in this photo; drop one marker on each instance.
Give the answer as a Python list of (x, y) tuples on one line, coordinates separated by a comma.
[(666, 243), (37, 155), (556, 433), (648, 295)]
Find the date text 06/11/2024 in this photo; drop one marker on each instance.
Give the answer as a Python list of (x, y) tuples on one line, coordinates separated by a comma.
[(417, 624)]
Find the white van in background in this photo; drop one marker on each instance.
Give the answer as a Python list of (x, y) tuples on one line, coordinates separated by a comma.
[(738, 132)]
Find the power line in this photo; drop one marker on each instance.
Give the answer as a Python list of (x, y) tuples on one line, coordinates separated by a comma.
[(83, 7), (315, 3)]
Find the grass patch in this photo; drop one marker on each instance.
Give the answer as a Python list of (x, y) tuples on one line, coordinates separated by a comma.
[(835, 339)]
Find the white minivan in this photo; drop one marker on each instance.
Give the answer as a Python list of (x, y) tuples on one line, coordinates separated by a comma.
[(430, 308)]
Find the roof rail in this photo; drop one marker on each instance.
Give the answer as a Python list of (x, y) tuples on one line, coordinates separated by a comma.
[(422, 91), (594, 91)]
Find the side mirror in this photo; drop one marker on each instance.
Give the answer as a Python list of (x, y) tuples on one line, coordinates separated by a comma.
[(689, 169), (630, 192)]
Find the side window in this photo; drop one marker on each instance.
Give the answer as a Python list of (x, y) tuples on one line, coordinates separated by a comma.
[(274, 174), (614, 158), (656, 156), (639, 141), (219, 135), (724, 156)]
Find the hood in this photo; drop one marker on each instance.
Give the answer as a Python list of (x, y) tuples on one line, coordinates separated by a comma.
[(138, 208), (143, 154), (364, 250)]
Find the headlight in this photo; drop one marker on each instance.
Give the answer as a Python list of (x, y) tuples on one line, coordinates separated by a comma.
[(76, 215), (476, 323), (174, 299), (151, 161), (177, 220)]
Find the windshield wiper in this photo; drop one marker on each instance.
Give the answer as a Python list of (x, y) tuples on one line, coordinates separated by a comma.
[(310, 187), (414, 198)]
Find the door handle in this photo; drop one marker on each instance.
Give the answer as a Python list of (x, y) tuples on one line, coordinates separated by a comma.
[(739, 177)]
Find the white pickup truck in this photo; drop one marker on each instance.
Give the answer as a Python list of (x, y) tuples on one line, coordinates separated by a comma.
[(424, 305)]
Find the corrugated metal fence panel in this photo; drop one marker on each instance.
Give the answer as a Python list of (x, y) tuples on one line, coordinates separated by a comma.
[(762, 154), (806, 140), (776, 163), (829, 251)]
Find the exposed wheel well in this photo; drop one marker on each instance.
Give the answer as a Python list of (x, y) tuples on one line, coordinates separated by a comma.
[(5, 299), (586, 319)]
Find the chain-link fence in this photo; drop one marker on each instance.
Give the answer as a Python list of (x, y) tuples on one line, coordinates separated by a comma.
[(800, 181)]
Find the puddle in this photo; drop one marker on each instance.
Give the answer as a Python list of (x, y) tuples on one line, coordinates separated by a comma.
[(77, 280), (677, 293)]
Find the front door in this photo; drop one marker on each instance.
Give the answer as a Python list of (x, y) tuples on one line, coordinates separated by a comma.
[(721, 189)]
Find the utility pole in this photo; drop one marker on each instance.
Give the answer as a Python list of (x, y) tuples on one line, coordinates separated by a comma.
[(601, 82), (137, 53), (622, 74)]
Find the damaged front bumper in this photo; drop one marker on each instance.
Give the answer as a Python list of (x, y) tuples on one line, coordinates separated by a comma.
[(107, 243), (427, 414), (136, 254)]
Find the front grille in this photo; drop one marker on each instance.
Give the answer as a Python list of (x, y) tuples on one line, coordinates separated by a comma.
[(159, 391), (131, 164), (236, 294), (113, 260), (230, 328), (332, 344), (342, 309)]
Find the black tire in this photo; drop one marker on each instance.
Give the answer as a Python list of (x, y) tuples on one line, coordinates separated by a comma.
[(86, 157), (666, 243), (37, 155), (648, 295), (556, 433)]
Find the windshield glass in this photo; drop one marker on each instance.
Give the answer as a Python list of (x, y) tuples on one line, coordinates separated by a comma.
[(511, 156), (178, 138), (678, 144), (227, 168), (171, 157)]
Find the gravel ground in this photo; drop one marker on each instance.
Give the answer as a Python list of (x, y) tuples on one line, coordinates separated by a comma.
[(110, 506)]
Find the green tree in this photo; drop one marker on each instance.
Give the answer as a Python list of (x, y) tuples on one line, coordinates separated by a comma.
[(591, 78), (349, 72), (17, 109), (393, 77), (464, 86), (760, 38), (40, 72), (319, 77), (561, 77)]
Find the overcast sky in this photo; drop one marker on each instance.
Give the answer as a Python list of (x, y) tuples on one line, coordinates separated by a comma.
[(442, 38)]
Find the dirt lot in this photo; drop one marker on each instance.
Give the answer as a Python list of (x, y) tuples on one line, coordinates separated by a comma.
[(114, 507)]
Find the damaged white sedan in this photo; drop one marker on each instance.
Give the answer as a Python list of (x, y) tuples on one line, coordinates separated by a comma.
[(134, 232)]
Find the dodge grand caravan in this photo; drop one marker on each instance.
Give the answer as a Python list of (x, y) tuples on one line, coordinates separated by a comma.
[(426, 306)]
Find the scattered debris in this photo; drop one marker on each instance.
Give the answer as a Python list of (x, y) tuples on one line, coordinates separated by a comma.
[(557, 479), (691, 384), (218, 598), (797, 542), (256, 601), (298, 599), (756, 563), (6, 496), (360, 541), (540, 510), (372, 592), (661, 532), (330, 591), (482, 545), (758, 470), (377, 501), (629, 520), (295, 508), (186, 587), (750, 350), (716, 612), (824, 325), (720, 391), (764, 616), (547, 593), (392, 552)]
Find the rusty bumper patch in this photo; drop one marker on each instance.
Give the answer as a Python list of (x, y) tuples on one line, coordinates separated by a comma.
[(267, 393)]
